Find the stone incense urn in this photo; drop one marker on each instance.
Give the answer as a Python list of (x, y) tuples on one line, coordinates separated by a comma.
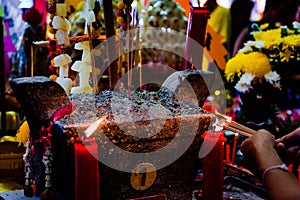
[(148, 144)]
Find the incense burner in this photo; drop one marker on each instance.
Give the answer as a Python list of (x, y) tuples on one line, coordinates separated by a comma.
[(146, 123)]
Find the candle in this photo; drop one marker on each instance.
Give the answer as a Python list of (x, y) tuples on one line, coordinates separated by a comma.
[(87, 184), (227, 153), (195, 37), (234, 146), (213, 166)]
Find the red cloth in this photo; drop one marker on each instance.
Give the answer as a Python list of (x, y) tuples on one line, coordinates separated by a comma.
[(86, 171)]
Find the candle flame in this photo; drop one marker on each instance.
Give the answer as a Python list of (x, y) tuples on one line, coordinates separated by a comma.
[(221, 121), (93, 127), (227, 118)]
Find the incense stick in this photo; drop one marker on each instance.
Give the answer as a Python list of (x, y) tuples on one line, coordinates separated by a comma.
[(241, 127), (94, 76), (235, 127), (120, 52), (242, 132)]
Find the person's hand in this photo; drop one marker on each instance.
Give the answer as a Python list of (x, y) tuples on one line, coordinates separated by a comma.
[(288, 147), (290, 140), (259, 152)]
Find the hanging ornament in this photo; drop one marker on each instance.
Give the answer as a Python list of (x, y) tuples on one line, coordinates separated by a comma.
[(121, 5), (27, 157), (124, 13), (45, 137)]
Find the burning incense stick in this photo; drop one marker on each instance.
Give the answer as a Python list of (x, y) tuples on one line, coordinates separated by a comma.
[(226, 122), (128, 64), (241, 127), (244, 133), (139, 56)]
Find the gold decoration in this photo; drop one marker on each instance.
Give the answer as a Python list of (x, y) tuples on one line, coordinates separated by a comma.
[(23, 133), (143, 176)]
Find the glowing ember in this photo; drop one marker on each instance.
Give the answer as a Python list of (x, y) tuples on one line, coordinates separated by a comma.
[(227, 118), (219, 124), (221, 121), (225, 122), (93, 127)]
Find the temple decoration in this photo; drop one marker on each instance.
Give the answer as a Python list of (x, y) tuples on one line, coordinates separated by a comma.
[(264, 72), (29, 184), (62, 25), (84, 69), (170, 18), (62, 61), (60, 28), (51, 9), (89, 17)]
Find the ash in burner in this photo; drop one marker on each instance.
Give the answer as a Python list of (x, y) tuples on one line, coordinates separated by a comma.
[(182, 94), (142, 106)]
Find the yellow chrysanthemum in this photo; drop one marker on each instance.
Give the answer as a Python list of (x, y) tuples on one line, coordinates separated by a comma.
[(264, 26), (270, 37), (290, 32), (266, 35), (286, 55), (292, 40), (234, 66), (256, 63)]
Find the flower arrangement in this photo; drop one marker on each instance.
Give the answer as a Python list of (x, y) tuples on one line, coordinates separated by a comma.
[(263, 72), (261, 60)]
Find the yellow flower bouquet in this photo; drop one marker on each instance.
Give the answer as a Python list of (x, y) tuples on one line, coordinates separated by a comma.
[(265, 69)]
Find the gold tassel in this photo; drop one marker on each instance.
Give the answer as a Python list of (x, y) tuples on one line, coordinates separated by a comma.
[(23, 134)]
